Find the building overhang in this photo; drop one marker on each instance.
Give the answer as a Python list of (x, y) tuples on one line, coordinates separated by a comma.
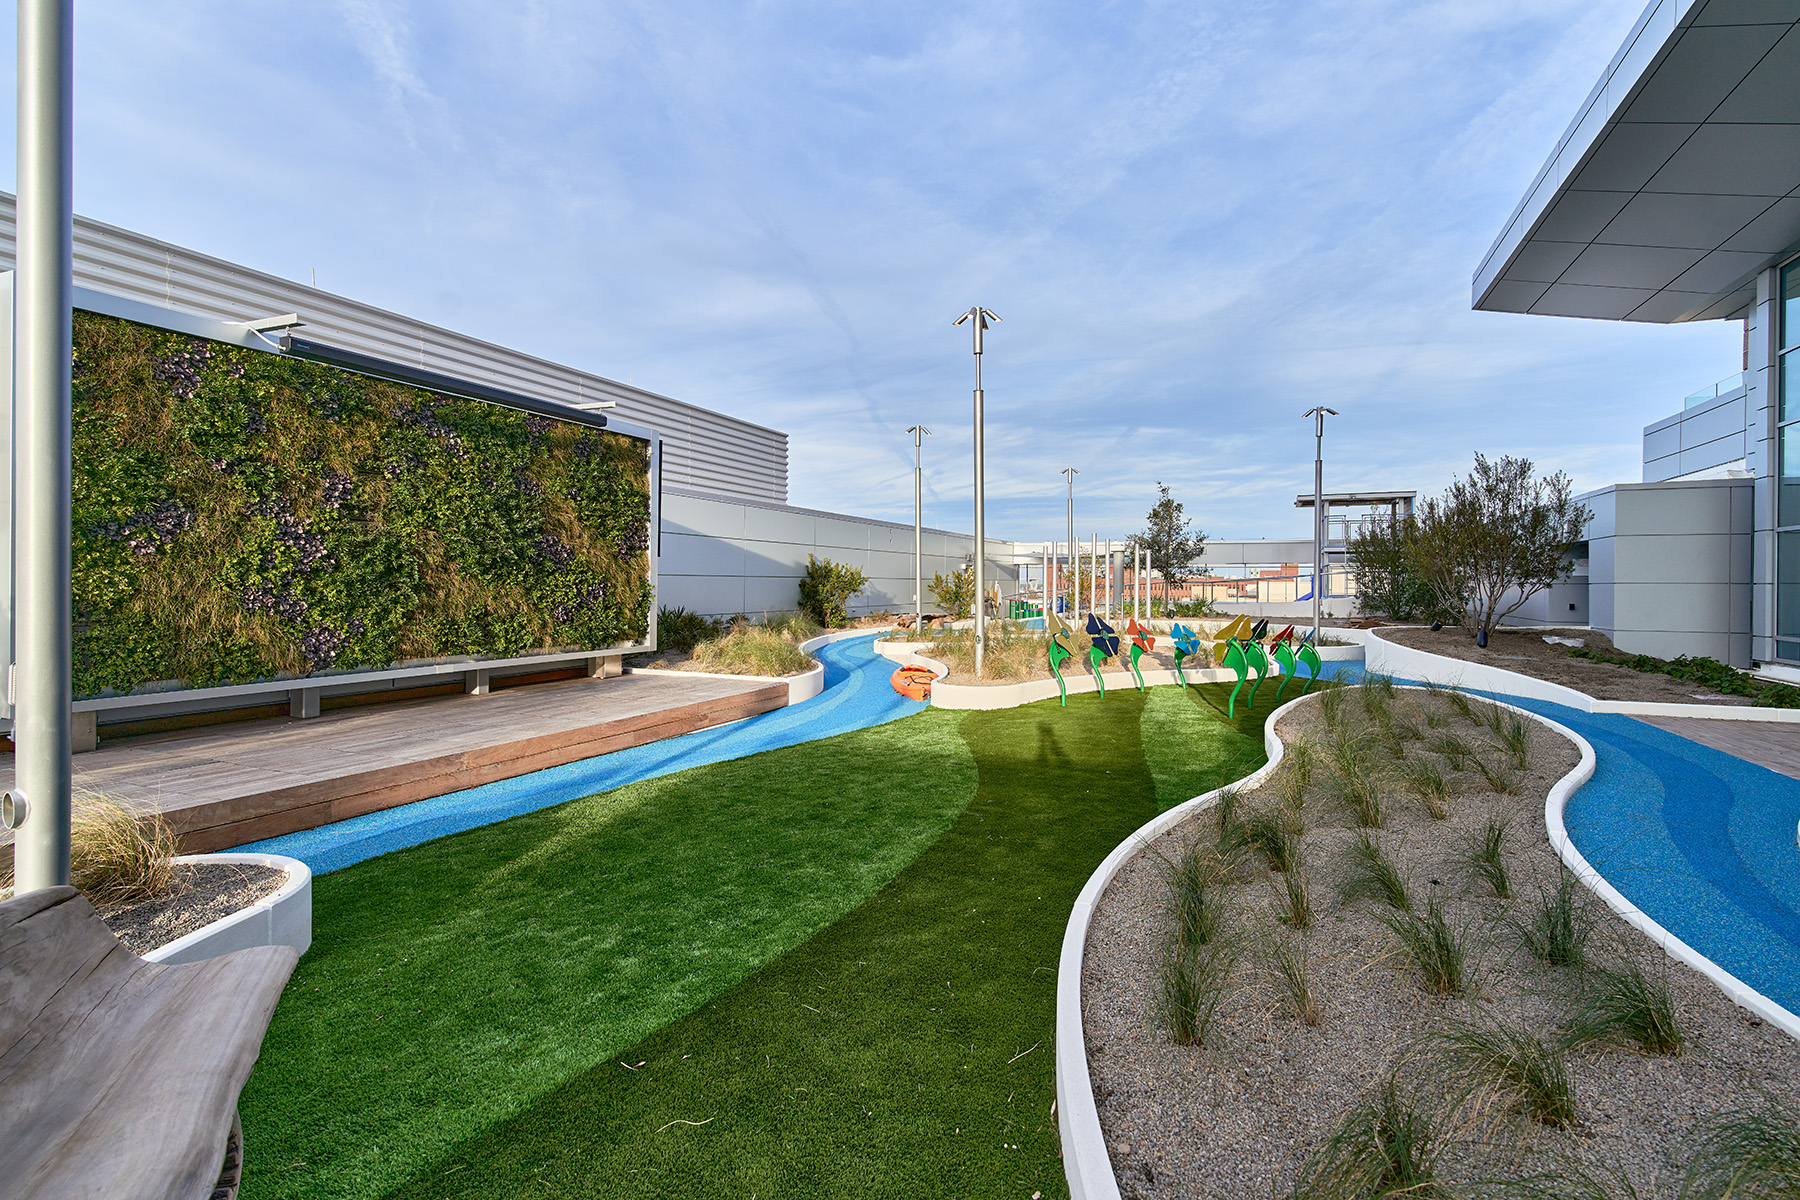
[(1357, 499), (1676, 183)]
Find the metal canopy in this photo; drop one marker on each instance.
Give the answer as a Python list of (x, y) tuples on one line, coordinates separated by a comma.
[(1677, 181), (1355, 498)]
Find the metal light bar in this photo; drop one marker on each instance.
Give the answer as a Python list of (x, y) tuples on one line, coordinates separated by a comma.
[(381, 368)]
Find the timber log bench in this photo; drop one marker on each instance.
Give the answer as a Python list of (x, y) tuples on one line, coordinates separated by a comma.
[(119, 1078)]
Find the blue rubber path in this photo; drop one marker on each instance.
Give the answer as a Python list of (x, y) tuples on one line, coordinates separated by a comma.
[(1700, 840), (857, 695)]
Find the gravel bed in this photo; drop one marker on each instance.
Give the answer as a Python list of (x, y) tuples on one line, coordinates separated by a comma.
[(204, 892), (1238, 1116), (1526, 652)]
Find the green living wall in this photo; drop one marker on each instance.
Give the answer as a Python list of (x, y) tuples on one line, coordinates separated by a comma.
[(242, 516)]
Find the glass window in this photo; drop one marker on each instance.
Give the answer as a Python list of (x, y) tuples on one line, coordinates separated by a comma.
[(1790, 304), (1788, 650), (1787, 585), (1787, 511), (1790, 386)]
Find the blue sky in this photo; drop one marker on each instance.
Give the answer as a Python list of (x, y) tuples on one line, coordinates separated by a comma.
[(1197, 219)]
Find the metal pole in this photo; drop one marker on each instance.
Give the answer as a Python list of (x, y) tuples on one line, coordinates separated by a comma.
[(1074, 574), (1318, 415), (980, 317), (918, 529), (45, 260)]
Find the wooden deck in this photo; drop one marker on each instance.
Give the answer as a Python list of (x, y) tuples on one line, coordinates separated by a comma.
[(1775, 745), (227, 785)]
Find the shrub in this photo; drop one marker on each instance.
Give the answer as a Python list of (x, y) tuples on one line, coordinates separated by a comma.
[(955, 592), (679, 629), (118, 855), (827, 587)]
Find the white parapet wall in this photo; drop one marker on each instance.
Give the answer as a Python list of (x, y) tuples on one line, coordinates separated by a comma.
[(1386, 657)]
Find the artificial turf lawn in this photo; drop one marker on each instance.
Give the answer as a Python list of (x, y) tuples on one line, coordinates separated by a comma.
[(903, 1049)]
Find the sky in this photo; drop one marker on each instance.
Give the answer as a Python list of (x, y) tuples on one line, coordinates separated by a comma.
[(1196, 219)]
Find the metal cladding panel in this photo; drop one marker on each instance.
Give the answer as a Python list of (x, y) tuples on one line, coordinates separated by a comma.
[(702, 449)]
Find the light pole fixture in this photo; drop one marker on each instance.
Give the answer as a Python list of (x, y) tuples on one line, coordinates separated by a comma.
[(920, 433), (39, 806), (1318, 415), (1074, 575), (980, 317)]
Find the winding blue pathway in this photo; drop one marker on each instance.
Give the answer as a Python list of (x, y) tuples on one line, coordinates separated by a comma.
[(856, 696), (1701, 841)]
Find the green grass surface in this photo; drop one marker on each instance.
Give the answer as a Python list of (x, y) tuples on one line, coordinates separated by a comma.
[(453, 983), (1190, 746), (837, 961)]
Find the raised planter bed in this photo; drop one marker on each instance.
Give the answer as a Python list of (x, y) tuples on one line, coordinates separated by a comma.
[(283, 918)]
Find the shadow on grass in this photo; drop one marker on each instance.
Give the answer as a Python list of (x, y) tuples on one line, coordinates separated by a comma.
[(904, 1051)]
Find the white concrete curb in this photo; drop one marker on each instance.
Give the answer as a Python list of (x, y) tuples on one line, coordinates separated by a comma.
[(281, 919), (1405, 662), (1086, 1163)]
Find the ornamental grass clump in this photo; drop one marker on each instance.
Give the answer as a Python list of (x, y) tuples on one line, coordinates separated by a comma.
[(1427, 783), (1267, 834), (1293, 779), (1497, 775), (1012, 651), (1452, 749), (1484, 854), (1496, 1058), (1514, 736), (1558, 927), (1294, 904), (1624, 1006), (679, 629), (1285, 961), (1387, 1145), (120, 856), (751, 650), (1368, 871), (1196, 904), (1749, 1153), (1355, 780), (1192, 984), (1440, 952)]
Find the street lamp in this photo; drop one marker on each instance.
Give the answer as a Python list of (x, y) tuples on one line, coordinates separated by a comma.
[(1318, 415), (1074, 575), (919, 433), (38, 808), (980, 316)]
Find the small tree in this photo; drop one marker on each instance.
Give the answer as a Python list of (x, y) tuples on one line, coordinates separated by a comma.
[(955, 592), (1496, 539), (1172, 548), (1383, 555), (827, 587)]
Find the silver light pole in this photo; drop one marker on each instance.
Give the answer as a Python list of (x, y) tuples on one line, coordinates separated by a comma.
[(980, 316), (1318, 415), (1074, 575), (38, 806), (919, 433)]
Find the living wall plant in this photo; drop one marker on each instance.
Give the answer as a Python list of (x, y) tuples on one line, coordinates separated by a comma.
[(242, 516)]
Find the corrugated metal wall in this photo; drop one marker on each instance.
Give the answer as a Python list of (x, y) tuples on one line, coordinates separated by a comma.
[(702, 450)]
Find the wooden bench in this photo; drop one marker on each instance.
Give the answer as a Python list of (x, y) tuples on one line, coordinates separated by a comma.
[(120, 1078)]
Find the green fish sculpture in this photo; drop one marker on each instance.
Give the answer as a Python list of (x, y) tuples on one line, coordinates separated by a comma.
[(1281, 649), (1061, 648), (1308, 657)]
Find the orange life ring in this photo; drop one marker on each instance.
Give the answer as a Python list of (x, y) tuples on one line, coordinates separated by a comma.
[(913, 682)]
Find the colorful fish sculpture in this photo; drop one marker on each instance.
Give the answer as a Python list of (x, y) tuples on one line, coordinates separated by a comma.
[(1308, 656), (1105, 646), (1281, 649), (1060, 641), (1141, 643)]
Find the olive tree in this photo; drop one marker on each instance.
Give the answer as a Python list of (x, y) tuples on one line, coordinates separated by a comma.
[(1383, 557), (1172, 548), (1497, 538)]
